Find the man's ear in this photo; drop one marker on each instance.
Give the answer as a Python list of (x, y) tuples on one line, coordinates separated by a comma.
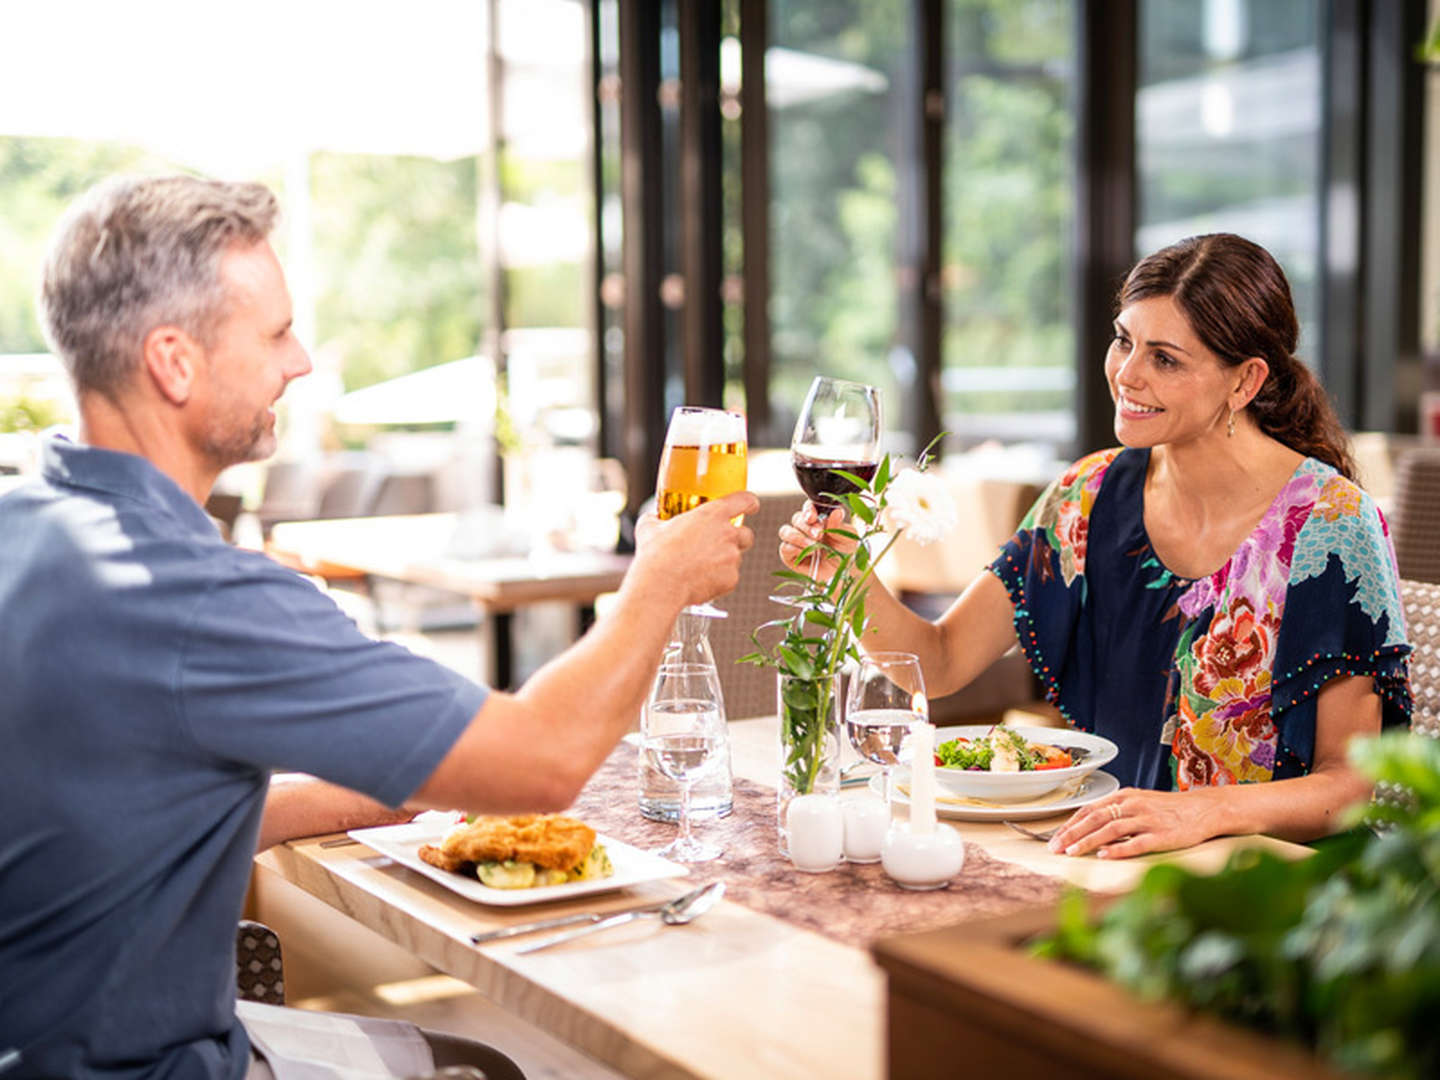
[(172, 358)]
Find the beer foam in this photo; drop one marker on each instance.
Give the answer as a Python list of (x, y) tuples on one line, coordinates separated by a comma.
[(708, 428)]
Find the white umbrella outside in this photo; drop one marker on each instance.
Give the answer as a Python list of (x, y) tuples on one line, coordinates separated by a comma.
[(461, 391)]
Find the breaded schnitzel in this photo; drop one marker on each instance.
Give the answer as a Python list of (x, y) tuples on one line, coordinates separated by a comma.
[(550, 841)]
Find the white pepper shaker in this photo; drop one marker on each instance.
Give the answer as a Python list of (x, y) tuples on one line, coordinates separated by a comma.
[(817, 832)]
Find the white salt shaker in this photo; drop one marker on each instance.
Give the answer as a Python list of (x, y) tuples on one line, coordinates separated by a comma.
[(817, 832), (865, 823)]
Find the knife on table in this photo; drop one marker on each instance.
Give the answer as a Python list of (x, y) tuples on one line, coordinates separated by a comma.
[(561, 920)]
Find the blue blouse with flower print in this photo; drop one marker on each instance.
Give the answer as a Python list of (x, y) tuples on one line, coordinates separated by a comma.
[(1208, 681)]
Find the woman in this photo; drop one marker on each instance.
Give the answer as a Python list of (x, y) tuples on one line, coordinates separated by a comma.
[(1217, 596)]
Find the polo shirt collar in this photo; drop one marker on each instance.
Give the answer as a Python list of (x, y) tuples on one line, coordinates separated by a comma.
[(68, 464)]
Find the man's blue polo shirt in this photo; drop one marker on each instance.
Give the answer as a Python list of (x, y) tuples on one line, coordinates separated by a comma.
[(151, 676)]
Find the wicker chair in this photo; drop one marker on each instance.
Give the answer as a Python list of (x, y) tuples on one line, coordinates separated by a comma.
[(1416, 525), (750, 690), (260, 976), (1422, 621)]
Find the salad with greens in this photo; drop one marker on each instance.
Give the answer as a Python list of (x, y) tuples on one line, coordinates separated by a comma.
[(1004, 750)]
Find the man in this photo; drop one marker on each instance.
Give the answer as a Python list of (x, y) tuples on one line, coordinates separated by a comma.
[(153, 676)]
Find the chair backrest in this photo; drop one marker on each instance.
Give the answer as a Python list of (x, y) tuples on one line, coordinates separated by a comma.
[(292, 493), (224, 507), (1421, 601), (404, 493), (750, 690), (1416, 521), (259, 966), (351, 486)]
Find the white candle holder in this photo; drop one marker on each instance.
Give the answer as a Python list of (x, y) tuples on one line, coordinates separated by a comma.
[(922, 860), (817, 832), (866, 821)]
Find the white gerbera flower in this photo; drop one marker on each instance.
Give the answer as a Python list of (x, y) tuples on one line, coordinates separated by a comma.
[(921, 505)]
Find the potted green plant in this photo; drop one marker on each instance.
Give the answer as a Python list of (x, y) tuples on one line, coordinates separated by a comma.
[(1271, 967)]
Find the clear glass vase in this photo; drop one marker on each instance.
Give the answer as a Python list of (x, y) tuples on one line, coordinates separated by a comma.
[(809, 711)]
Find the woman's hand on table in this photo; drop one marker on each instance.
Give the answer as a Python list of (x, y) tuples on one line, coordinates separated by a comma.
[(1134, 821), (805, 529)]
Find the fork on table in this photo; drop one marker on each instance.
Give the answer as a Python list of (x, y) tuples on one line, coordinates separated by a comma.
[(1041, 836)]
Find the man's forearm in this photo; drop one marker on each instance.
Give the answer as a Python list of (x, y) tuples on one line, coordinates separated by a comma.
[(300, 805)]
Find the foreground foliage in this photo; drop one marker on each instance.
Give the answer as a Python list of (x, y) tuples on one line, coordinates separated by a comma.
[(1340, 951)]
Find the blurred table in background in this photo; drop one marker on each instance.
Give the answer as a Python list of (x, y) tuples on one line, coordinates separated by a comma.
[(433, 550)]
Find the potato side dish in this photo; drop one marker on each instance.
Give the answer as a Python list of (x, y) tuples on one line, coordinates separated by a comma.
[(523, 851)]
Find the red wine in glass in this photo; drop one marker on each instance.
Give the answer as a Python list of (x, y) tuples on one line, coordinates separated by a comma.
[(825, 487)]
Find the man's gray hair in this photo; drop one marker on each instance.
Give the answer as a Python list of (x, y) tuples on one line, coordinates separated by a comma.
[(135, 253)]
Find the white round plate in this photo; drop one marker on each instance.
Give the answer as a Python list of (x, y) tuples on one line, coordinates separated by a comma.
[(1017, 786), (1097, 785)]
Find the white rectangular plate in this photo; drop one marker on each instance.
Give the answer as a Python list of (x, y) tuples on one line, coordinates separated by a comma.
[(402, 843)]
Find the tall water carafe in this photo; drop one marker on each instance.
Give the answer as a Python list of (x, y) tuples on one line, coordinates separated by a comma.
[(710, 794)]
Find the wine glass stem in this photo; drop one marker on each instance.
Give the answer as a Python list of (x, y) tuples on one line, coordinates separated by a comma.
[(684, 838)]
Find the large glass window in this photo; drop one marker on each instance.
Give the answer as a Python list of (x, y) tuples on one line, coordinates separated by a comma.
[(1228, 132), (1007, 353), (835, 75), (376, 142)]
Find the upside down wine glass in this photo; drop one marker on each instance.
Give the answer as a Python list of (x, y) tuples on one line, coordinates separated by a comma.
[(704, 459), (682, 735)]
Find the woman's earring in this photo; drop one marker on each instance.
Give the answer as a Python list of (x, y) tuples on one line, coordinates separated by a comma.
[(1230, 427)]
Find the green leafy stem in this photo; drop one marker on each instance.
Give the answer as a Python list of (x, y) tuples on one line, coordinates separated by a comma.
[(828, 622)]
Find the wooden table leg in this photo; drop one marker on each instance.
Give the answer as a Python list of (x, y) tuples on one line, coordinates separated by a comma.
[(504, 649)]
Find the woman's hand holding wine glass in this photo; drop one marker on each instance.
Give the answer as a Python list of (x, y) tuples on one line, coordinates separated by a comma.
[(837, 432), (806, 529)]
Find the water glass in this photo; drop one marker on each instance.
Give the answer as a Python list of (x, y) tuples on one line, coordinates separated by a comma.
[(886, 694), (682, 735)]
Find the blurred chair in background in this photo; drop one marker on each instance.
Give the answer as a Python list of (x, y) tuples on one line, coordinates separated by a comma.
[(1415, 522), (224, 508), (750, 690), (1421, 601), (292, 493), (351, 484)]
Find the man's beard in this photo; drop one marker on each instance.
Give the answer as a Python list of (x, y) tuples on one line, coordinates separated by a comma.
[(234, 445)]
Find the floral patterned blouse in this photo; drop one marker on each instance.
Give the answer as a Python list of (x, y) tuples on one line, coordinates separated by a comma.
[(1209, 681)]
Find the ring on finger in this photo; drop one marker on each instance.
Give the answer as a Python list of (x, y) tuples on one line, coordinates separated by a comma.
[(1114, 809)]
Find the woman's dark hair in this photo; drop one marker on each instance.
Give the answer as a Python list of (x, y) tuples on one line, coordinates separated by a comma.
[(1237, 301)]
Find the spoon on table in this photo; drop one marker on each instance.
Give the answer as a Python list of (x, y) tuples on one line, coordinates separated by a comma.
[(677, 912)]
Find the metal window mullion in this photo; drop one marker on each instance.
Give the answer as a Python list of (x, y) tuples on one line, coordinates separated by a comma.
[(930, 47), (642, 251), (702, 334), (1106, 194), (1342, 188), (1392, 206), (755, 218)]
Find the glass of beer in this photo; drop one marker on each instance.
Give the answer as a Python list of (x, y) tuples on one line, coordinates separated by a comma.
[(704, 459)]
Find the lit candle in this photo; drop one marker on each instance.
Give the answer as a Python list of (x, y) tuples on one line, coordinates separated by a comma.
[(922, 777)]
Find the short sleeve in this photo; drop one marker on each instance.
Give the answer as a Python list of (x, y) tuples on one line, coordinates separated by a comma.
[(276, 676), (1342, 617), (1043, 570)]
